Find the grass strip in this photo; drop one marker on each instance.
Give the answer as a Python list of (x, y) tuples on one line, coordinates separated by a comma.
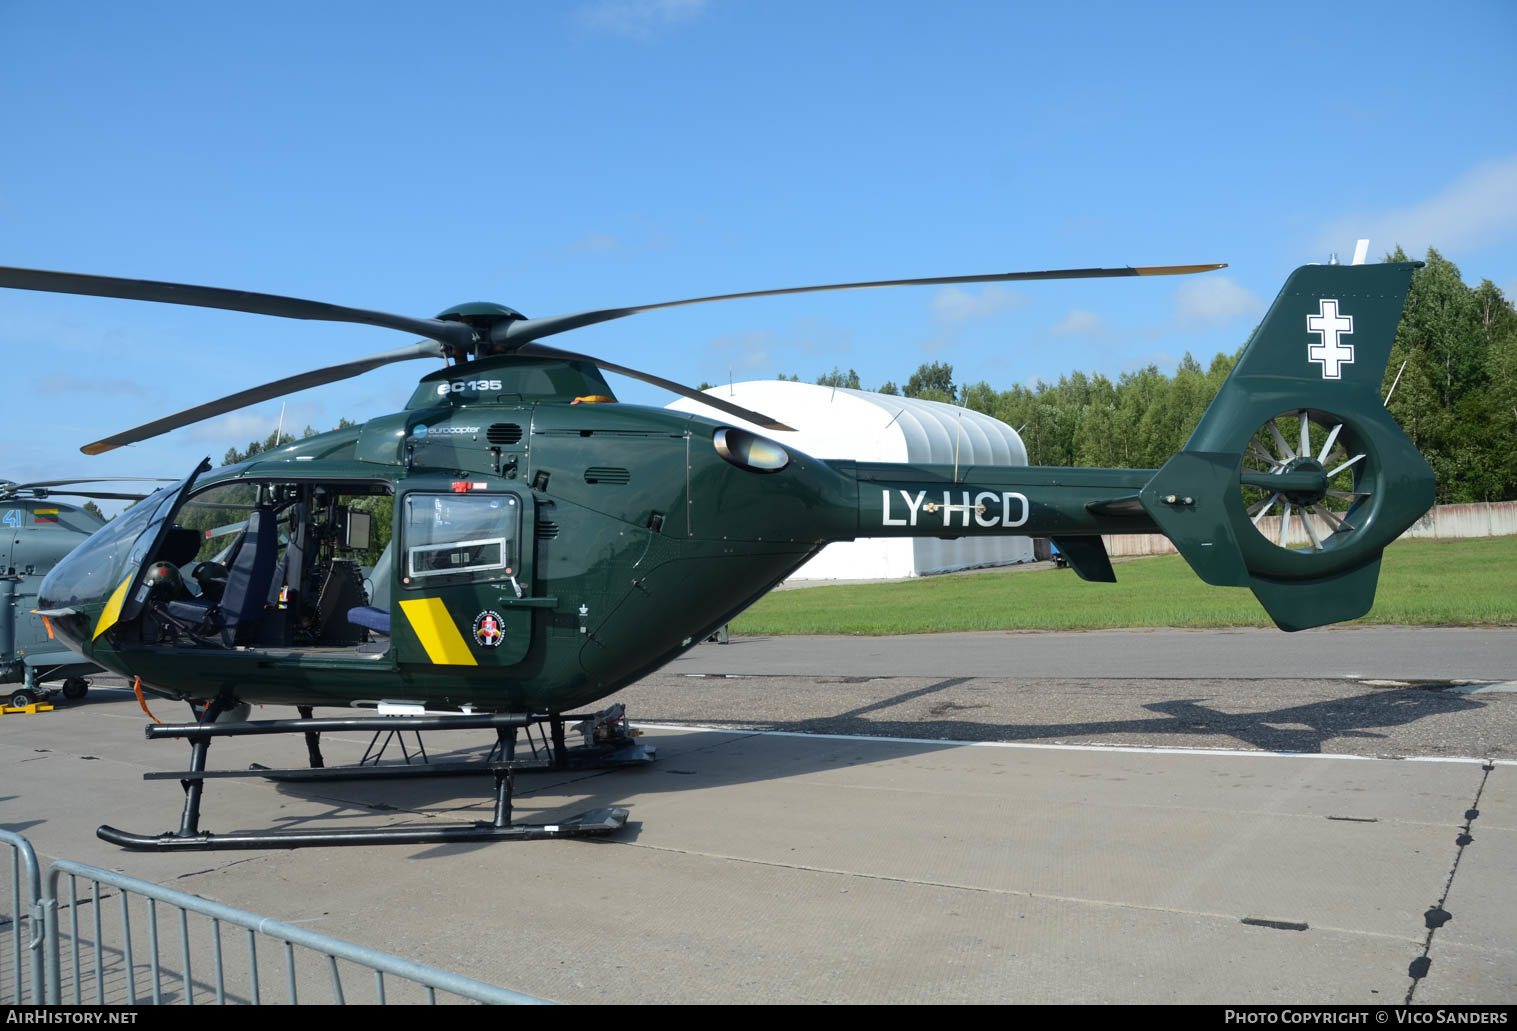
[(1422, 582)]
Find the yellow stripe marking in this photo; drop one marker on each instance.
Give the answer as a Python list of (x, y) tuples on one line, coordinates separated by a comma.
[(112, 610), (437, 632)]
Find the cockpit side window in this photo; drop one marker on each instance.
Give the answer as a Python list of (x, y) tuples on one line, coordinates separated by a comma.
[(451, 538)]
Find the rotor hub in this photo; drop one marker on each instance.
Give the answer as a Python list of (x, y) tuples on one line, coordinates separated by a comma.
[(482, 317), (1306, 495)]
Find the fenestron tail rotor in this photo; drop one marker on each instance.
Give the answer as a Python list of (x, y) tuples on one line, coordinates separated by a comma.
[(469, 331), (1325, 513)]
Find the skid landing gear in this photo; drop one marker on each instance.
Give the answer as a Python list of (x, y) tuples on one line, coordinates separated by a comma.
[(502, 765), (605, 741)]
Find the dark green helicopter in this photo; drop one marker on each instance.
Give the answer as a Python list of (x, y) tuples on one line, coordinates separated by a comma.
[(36, 530), (513, 545)]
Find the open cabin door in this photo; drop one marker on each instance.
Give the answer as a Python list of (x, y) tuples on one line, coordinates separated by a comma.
[(461, 584)]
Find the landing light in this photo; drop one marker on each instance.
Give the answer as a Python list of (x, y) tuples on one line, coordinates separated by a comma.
[(750, 451)]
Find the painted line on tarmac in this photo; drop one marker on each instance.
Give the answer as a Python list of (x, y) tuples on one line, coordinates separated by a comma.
[(1138, 749), (1504, 687)]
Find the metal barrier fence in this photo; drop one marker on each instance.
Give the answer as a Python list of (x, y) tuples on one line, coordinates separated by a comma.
[(61, 938), (24, 924)]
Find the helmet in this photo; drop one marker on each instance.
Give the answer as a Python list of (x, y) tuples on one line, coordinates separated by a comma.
[(163, 581)]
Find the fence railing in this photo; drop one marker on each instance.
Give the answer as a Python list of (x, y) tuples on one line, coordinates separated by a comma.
[(23, 924), (103, 945)]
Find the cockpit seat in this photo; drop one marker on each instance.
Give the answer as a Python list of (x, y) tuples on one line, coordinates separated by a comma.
[(181, 546), (247, 584)]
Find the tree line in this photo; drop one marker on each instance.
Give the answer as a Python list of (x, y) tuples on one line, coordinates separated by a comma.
[(1455, 354)]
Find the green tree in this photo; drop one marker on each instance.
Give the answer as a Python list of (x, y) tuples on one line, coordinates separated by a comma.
[(1455, 349), (1441, 318), (1501, 366), (273, 440), (835, 378), (932, 382)]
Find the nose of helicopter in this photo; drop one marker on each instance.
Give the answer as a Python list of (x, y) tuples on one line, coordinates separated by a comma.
[(69, 600), (84, 593)]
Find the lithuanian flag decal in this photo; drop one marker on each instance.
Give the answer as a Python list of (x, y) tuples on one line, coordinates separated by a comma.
[(44, 515)]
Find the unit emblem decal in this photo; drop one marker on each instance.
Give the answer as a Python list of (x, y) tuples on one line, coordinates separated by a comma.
[(489, 629), (1328, 352)]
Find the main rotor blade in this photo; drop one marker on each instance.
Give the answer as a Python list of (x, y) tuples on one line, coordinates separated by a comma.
[(8, 489), (278, 388), (455, 333), (523, 330), (746, 414), (98, 494), (85, 479)]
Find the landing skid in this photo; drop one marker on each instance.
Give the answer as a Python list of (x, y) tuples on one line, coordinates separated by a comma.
[(588, 824), (502, 764)]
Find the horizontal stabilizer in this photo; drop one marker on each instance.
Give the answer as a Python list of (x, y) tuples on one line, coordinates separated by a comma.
[(1087, 557)]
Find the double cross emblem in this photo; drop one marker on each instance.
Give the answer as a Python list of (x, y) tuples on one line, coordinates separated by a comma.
[(1328, 353)]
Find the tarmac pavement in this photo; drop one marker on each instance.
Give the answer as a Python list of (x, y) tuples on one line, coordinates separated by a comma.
[(955, 818)]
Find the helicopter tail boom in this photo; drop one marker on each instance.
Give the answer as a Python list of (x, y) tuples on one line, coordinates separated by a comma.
[(1292, 484), (1297, 477)]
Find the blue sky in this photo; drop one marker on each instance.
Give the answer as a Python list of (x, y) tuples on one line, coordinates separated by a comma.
[(589, 153)]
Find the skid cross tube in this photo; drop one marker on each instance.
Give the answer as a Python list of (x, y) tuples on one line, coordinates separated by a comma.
[(474, 721)]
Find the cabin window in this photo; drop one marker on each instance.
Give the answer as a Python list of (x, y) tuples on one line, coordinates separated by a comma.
[(452, 537)]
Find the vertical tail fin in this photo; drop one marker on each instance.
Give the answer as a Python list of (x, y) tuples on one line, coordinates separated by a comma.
[(1297, 477)]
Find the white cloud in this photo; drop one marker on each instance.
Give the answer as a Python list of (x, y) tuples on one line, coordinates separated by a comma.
[(953, 308), (1478, 208), (1166, 362), (235, 429), (595, 243), (638, 19), (59, 384), (744, 353), (952, 305), (1213, 300), (1080, 322)]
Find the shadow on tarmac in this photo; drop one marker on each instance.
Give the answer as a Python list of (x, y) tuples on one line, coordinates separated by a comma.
[(541, 796)]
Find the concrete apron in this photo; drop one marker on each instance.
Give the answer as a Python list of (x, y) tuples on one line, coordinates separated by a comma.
[(774, 868)]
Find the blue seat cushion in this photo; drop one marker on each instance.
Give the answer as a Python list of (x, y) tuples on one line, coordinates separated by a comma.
[(375, 619), (195, 611)]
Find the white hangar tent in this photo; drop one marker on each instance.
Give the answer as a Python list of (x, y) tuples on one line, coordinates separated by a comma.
[(868, 427)]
